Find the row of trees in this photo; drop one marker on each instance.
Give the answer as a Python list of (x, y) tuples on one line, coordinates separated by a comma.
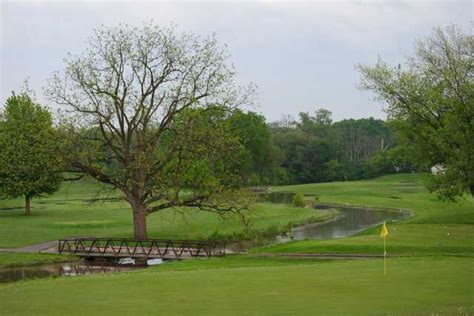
[(315, 149), (155, 114)]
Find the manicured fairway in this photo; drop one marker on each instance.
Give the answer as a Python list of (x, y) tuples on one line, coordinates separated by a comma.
[(433, 286), (75, 212)]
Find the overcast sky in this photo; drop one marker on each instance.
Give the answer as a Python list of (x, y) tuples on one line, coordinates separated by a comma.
[(301, 55)]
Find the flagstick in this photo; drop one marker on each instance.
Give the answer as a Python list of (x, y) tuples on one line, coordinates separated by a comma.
[(384, 234), (384, 257)]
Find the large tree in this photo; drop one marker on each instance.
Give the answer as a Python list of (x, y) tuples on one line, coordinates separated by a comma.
[(431, 104), (29, 161), (146, 106)]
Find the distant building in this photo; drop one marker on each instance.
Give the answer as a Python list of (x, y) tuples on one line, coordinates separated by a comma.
[(437, 169)]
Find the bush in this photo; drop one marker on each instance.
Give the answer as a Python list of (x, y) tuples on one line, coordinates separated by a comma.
[(298, 200)]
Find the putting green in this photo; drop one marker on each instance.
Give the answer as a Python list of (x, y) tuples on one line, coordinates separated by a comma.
[(441, 286)]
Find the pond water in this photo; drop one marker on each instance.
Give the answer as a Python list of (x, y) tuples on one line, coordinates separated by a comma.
[(349, 222), (65, 269)]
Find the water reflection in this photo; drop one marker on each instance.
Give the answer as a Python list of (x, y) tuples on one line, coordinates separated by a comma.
[(349, 222), (61, 269), (278, 197)]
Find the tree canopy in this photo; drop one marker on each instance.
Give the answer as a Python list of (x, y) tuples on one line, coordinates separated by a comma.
[(262, 158), (431, 105)]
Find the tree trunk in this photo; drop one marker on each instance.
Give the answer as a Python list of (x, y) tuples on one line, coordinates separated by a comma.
[(27, 204), (139, 220), (471, 189)]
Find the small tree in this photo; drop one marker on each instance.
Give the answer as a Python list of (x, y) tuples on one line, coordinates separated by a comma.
[(29, 162), (431, 105)]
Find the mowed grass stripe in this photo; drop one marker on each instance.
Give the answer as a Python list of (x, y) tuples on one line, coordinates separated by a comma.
[(413, 285)]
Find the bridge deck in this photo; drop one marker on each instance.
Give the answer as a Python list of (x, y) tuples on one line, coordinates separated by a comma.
[(152, 248)]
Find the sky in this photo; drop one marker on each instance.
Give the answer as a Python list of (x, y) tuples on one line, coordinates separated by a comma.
[(301, 55)]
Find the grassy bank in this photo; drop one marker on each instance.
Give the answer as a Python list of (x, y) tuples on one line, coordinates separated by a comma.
[(436, 228), (260, 286), (82, 209)]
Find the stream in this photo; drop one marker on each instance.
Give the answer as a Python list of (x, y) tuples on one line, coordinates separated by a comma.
[(349, 222)]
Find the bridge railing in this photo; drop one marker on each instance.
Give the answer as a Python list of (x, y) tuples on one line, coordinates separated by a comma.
[(151, 248)]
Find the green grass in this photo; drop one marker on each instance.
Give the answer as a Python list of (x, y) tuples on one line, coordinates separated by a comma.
[(436, 228), (404, 191), (441, 286), (31, 259), (426, 239), (437, 278), (72, 212)]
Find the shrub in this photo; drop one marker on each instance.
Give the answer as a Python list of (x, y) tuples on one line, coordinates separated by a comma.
[(298, 200)]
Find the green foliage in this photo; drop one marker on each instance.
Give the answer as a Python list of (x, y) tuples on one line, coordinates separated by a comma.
[(431, 105), (29, 162), (396, 159), (142, 115), (315, 201), (298, 200), (317, 150), (262, 158), (210, 157)]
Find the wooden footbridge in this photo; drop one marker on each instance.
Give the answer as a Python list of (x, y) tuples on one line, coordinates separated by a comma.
[(147, 249)]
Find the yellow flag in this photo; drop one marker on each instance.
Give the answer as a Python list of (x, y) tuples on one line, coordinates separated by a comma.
[(384, 231)]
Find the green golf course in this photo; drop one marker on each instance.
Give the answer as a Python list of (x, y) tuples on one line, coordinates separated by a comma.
[(430, 268)]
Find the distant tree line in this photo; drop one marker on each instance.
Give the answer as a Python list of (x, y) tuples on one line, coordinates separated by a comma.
[(316, 149)]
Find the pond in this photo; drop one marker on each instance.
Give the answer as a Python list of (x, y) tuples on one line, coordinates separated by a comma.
[(65, 269)]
